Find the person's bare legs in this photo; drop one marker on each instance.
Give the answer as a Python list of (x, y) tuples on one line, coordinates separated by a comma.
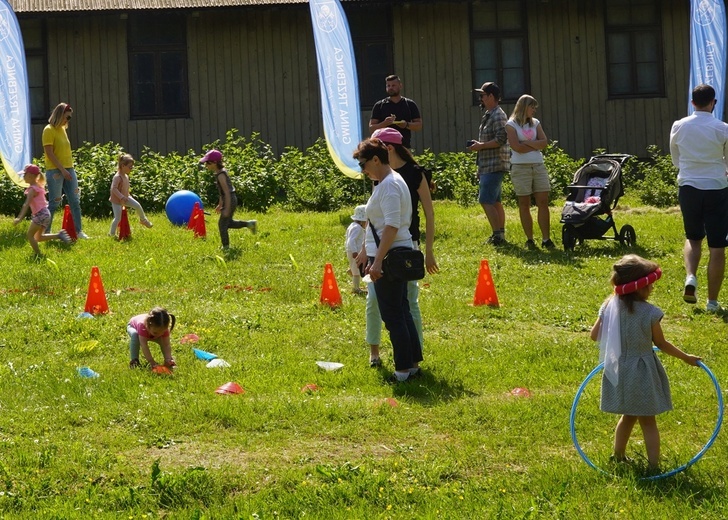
[(691, 256), (622, 434), (492, 216), (496, 216), (544, 216), (373, 352), (716, 270), (524, 211), (652, 440)]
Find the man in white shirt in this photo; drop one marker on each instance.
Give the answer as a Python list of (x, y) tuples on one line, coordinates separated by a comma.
[(699, 149)]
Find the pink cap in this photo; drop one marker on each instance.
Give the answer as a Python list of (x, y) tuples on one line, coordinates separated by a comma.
[(388, 135), (32, 169), (212, 155)]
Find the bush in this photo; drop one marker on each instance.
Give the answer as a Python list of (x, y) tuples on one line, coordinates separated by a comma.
[(561, 170), (309, 180), (454, 174), (656, 181), (11, 196)]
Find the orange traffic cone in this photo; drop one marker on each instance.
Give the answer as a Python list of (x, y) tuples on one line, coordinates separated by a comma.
[(68, 224), (124, 229), (96, 298), (197, 221), (485, 290), (330, 289)]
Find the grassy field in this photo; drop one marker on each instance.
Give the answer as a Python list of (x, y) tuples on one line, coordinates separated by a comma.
[(454, 444)]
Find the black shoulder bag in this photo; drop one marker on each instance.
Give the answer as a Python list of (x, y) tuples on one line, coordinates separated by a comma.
[(401, 264)]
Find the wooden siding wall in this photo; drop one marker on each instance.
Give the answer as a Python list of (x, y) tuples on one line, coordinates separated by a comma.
[(249, 69), (255, 70), (567, 55)]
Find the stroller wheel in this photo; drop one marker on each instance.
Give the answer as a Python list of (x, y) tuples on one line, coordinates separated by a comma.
[(568, 238), (627, 236)]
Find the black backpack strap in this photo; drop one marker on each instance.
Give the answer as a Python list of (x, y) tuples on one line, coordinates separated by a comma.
[(374, 233)]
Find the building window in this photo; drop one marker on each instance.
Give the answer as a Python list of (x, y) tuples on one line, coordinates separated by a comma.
[(500, 46), (371, 35), (158, 65), (36, 60), (634, 48)]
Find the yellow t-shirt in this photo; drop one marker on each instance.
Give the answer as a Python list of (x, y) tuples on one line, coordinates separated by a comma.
[(58, 138)]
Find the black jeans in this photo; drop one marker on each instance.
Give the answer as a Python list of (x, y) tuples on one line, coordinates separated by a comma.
[(395, 312)]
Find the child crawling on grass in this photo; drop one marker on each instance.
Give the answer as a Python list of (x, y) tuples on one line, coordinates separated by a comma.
[(154, 326)]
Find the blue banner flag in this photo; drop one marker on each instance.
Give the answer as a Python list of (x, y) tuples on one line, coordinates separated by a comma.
[(338, 84), (708, 49)]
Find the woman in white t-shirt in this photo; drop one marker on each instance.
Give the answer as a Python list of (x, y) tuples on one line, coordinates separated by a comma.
[(389, 211), (528, 172)]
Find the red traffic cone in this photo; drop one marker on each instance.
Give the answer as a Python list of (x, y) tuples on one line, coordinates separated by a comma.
[(485, 289), (197, 221), (330, 289), (96, 297), (230, 388), (124, 229), (68, 224)]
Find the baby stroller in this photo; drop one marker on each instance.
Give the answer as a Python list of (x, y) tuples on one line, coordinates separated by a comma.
[(596, 191)]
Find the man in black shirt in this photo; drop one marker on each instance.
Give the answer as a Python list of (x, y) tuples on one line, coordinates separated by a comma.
[(396, 111)]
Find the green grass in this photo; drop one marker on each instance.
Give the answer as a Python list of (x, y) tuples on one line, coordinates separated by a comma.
[(456, 445)]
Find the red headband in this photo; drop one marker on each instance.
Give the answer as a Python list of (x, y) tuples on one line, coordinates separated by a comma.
[(67, 108), (630, 287)]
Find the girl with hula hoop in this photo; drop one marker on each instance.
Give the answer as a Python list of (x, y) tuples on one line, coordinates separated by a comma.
[(634, 382)]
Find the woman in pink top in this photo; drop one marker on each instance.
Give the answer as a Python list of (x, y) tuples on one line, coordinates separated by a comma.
[(154, 326), (35, 199), (120, 194)]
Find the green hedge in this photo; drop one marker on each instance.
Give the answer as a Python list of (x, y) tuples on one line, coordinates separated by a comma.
[(308, 180)]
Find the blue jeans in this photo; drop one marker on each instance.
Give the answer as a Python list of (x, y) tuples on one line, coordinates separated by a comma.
[(374, 319), (395, 311), (490, 190), (57, 186)]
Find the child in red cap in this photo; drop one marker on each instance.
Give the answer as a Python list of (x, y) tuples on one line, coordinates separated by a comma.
[(35, 199), (228, 201)]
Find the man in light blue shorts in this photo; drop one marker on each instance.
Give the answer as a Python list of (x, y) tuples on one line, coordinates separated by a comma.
[(493, 160)]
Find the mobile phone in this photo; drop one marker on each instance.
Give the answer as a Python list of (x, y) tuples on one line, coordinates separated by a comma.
[(469, 143)]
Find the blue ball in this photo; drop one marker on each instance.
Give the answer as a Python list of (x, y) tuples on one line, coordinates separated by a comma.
[(179, 206)]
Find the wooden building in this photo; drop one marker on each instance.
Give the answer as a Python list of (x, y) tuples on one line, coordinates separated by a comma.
[(177, 74)]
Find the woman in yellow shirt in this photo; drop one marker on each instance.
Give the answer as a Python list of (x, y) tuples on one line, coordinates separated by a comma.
[(60, 175)]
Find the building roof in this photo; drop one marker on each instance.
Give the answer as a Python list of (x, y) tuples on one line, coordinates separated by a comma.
[(45, 6)]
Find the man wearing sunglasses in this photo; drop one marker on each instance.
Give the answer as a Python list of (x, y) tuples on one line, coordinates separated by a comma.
[(494, 159)]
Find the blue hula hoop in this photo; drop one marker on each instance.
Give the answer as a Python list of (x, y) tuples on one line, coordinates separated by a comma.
[(696, 458)]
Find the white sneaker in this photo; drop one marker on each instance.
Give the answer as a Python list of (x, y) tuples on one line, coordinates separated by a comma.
[(63, 236), (691, 285), (253, 225), (714, 308), (83, 235)]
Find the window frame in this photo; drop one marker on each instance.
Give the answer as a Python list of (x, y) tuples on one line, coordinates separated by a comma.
[(135, 48), (367, 98), (631, 31), (499, 35), (42, 53)]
